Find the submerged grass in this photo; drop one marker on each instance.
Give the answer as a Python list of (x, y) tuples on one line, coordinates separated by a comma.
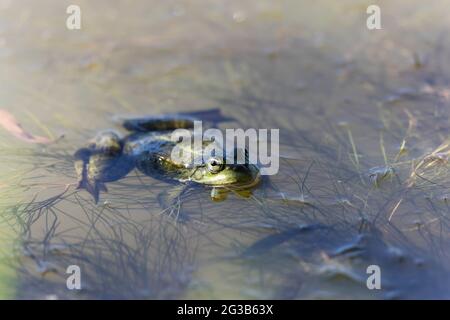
[(354, 188), (155, 251)]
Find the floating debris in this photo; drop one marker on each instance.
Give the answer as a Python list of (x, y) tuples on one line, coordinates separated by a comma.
[(345, 202), (339, 272), (439, 158), (11, 124), (349, 250), (44, 267), (299, 199), (402, 94), (274, 240), (444, 198), (239, 16), (379, 174)]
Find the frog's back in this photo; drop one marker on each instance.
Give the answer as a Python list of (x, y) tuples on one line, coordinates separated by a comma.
[(157, 142), (153, 134)]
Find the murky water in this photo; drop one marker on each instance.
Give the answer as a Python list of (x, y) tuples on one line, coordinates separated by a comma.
[(364, 127)]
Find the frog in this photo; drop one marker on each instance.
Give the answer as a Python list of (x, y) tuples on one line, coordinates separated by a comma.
[(148, 146)]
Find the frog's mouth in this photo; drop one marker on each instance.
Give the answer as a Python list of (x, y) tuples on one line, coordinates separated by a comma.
[(232, 177)]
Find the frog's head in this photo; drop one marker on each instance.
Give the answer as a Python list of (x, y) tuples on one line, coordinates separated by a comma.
[(216, 172)]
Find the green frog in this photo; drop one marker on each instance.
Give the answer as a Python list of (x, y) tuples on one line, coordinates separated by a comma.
[(148, 146)]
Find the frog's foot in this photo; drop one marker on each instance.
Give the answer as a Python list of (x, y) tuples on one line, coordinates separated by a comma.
[(106, 146), (93, 187)]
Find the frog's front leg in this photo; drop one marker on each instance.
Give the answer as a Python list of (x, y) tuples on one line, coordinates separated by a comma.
[(219, 194)]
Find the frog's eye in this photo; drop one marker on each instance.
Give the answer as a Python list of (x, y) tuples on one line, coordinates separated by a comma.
[(214, 165)]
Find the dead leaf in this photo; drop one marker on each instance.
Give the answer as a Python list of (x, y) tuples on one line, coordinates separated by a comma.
[(10, 124)]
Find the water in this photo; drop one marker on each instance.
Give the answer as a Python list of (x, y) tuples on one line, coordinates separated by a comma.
[(363, 122)]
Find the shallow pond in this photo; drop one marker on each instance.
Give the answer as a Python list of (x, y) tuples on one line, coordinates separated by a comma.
[(364, 146)]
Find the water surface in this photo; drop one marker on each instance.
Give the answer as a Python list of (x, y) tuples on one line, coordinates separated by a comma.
[(364, 127)]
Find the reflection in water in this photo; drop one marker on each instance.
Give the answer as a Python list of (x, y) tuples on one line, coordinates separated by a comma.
[(364, 128)]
